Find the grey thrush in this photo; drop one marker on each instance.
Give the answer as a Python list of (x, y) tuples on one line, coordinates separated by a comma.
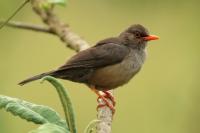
[(111, 63)]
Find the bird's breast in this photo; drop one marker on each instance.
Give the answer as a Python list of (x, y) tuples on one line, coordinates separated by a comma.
[(116, 75)]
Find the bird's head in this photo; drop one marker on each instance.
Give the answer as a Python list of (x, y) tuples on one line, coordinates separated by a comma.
[(136, 36)]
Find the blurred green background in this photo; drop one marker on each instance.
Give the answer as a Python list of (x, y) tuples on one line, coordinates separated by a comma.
[(163, 98)]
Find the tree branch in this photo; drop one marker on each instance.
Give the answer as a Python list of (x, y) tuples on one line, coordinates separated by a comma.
[(31, 27), (72, 41), (105, 115)]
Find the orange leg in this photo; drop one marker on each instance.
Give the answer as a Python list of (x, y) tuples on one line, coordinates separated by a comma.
[(103, 97)]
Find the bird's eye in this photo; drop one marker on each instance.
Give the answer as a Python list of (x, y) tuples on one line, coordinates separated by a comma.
[(137, 35)]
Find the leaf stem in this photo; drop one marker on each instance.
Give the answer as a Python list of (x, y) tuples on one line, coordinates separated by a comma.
[(66, 102)]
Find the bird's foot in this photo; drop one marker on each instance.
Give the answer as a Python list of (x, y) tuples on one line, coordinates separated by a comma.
[(107, 98), (108, 95)]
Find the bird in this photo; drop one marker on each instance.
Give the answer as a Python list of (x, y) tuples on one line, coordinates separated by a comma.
[(110, 63)]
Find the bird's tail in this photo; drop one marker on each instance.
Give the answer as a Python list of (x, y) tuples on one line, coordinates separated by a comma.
[(36, 77)]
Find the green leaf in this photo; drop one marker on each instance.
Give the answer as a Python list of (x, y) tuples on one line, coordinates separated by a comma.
[(58, 2), (45, 5), (50, 128), (38, 114), (49, 4), (91, 127), (66, 102)]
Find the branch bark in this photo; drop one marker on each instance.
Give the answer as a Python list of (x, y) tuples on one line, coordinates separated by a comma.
[(71, 39), (105, 115)]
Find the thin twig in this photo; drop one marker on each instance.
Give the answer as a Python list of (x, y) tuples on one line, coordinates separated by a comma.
[(18, 9), (25, 26)]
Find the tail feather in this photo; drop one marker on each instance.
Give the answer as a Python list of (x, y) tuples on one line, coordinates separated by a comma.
[(36, 77)]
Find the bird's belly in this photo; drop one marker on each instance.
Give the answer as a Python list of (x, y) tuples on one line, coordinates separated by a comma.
[(115, 75)]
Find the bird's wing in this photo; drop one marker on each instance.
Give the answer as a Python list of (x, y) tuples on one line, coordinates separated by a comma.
[(101, 55)]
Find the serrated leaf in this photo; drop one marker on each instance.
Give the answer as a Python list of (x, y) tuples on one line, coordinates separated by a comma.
[(50, 128), (66, 102), (38, 114), (58, 2)]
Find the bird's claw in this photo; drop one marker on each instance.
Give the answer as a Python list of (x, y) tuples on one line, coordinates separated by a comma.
[(105, 96)]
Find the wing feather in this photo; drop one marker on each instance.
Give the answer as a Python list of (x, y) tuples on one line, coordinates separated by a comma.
[(97, 56)]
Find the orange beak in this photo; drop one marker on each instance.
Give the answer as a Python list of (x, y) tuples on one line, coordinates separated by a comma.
[(151, 37)]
